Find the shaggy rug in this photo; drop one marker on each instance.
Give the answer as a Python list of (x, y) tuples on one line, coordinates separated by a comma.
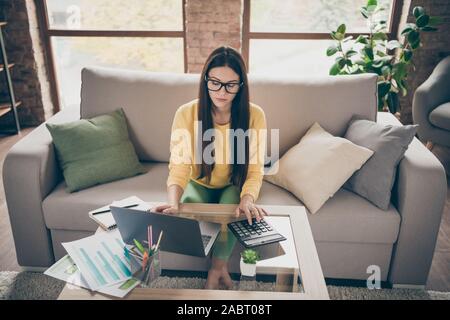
[(37, 286)]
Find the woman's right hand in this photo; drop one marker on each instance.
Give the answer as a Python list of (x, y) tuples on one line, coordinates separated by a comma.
[(166, 208)]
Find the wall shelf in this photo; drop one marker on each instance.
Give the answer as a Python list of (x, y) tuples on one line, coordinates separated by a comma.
[(10, 106)]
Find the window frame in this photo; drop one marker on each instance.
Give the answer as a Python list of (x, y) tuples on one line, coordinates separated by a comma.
[(47, 33), (248, 35)]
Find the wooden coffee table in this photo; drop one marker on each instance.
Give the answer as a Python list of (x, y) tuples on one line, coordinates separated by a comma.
[(299, 261)]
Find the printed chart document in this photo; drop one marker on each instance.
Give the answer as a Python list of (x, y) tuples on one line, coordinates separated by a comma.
[(100, 259), (66, 270)]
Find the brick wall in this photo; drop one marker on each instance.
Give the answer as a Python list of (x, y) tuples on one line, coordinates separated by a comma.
[(29, 78), (435, 46), (210, 24)]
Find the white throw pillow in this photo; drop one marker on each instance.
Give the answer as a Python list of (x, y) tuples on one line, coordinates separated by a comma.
[(315, 168)]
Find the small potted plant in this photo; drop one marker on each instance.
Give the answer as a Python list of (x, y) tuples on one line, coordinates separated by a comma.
[(249, 257)]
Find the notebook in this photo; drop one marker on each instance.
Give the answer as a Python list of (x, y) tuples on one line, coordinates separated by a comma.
[(104, 217)]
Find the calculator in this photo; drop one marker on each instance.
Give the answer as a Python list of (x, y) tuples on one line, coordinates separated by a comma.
[(256, 234)]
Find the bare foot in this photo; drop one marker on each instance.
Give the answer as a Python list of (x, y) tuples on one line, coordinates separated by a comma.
[(218, 274), (212, 282), (225, 280)]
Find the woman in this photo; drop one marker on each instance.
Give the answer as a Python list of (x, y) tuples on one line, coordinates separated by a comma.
[(216, 177)]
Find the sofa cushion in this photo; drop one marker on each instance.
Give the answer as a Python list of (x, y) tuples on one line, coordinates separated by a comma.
[(346, 217), (95, 151), (375, 179), (69, 211), (316, 167), (440, 116)]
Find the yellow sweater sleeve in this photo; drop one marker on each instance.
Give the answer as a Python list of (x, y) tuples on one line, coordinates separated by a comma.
[(181, 160), (257, 151)]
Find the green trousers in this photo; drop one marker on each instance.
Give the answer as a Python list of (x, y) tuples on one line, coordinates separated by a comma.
[(196, 193)]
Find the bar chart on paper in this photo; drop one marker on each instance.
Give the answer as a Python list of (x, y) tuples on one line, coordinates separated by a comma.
[(100, 259)]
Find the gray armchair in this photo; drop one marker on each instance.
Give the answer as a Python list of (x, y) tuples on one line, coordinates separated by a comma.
[(431, 106)]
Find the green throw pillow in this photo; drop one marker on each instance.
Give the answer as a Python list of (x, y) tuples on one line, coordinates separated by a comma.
[(95, 151)]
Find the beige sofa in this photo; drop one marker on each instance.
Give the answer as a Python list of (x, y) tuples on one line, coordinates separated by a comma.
[(350, 233)]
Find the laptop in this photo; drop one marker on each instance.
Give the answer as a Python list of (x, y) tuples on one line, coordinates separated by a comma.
[(181, 235)]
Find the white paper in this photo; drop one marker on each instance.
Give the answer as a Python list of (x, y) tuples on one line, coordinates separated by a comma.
[(101, 259), (66, 270), (107, 219)]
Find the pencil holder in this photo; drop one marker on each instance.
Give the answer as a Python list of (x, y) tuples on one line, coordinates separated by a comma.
[(146, 272)]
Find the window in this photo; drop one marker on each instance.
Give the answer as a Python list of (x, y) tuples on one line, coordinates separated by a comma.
[(133, 34), (291, 37)]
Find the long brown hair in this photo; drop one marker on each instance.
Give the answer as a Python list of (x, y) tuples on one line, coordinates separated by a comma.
[(240, 111)]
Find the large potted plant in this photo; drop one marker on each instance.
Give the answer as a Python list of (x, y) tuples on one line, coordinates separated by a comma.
[(378, 54)]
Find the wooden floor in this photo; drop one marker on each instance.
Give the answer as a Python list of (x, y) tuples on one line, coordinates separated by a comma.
[(439, 277)]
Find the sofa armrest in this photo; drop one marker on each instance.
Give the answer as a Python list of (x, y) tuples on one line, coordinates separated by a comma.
[(429, 95), (419, 195), (30, 173)]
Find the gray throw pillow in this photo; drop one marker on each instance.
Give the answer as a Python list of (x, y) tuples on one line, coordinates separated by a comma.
[(375, 179)]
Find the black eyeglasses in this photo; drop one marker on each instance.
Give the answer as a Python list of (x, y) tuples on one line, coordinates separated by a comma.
[(230, 87)]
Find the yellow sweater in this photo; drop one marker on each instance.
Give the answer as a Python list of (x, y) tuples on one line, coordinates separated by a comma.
[(183, 156)]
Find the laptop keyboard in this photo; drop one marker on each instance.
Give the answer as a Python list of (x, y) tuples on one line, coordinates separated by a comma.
[(205, 240)]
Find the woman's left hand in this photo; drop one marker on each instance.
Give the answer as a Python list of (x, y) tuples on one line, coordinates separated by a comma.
[(248, 207)]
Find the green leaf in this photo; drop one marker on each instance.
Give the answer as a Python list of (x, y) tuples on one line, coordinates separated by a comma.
[(386, 71), (341, 29), (399, 71), (379, 36), (354, 69), (377, 64), (334, 70), (383, 88), (368, 51), (332, 50), (407, 55), (361, 39), (350, 53), (422, 21), (393, 44), (333, 35), (428, 28), (372, 2), (402, 87), (341, 63), (379, 28), (407, 30), (413, 36), (337, 36), (392, 102), (364, 12), (434, 21), (415, 45), (418, 11)]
